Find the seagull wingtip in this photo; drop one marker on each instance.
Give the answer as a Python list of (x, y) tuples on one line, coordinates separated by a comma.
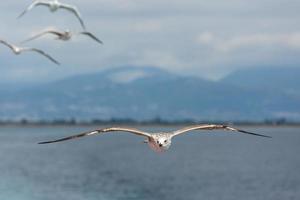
[(265, 136), (56, 62), (42, 143), (19, 16)]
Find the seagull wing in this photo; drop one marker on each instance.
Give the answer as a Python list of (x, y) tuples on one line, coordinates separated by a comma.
[(42, 53), (74, 10), (100, 131), (32, 5), (7, 44), (59, 34), (91, 36), (213, 127)]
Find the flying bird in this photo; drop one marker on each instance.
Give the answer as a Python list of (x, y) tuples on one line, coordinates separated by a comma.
[(53, 6), (18, 50), (64, 35), (158, 142)]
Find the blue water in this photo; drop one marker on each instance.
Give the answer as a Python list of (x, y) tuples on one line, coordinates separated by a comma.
[(206, 165)]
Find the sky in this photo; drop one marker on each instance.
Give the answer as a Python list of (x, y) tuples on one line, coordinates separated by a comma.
[(207, 39)]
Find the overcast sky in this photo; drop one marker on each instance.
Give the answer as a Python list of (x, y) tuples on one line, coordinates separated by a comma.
[(192, 37)]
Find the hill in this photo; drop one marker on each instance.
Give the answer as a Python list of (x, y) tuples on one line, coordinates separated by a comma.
[(143, 93)]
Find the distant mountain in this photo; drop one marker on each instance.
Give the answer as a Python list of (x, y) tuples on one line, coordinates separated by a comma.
[(145, 93)]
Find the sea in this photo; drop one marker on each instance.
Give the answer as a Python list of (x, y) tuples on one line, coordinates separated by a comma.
[(201, 165)]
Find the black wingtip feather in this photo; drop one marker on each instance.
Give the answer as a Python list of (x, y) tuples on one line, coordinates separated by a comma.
[(256, 134), (43, 142), (49, 142)]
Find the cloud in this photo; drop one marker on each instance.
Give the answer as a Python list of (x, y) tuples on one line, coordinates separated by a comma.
[(128, 76), (249, 50), (205, 38), (289, 40), (148, 26), (192, 37)]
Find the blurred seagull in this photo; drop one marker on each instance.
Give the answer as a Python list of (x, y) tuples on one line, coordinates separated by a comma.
[(64, 35), (54, 5), (158, 142), (18, 50)]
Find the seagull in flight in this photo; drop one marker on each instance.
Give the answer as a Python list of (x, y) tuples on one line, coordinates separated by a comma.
[(18, 50), (159, 142), (64, 35), (53, 6)]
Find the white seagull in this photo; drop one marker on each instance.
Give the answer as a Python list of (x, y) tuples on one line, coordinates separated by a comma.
[(159, 142), (64, 35), (53, 6), (18, 50)]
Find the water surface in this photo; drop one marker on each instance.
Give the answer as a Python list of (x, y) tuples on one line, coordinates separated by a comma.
[(199, 165)]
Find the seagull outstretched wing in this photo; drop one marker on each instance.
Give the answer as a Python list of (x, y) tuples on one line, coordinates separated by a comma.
[(213, 127), (7, 44), (32, 5), (75, 11), (91, 36), (42, 53), (59, 34), (100, 131)]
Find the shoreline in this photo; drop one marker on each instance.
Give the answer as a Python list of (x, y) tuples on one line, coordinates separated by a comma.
[(33, 125)]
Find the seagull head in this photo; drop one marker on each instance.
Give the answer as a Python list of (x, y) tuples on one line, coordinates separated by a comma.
[(68, 33), (161, 143), (54, 5), (17, 50)]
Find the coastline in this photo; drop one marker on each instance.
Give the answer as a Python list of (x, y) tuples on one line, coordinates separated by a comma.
[(142, 124)]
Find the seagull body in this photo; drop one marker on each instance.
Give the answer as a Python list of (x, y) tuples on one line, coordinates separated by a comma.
[(159, 142), (64, 35), (53, 6), (18, 50)]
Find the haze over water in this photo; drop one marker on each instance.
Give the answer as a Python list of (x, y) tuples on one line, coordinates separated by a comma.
[(200, 165)]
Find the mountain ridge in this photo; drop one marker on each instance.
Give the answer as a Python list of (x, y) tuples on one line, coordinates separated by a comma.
[(150, 93)]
